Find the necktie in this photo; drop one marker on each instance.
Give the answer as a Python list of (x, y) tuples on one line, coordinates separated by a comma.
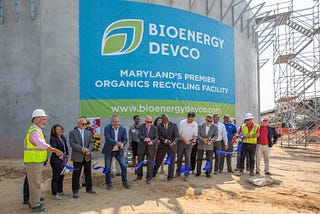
[(148, 131)]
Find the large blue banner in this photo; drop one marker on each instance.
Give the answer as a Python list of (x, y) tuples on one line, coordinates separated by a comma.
[(144, 58)]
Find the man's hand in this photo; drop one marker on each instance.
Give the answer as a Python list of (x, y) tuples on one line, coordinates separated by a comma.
[(187, 142), (120, 145), (226, 147)]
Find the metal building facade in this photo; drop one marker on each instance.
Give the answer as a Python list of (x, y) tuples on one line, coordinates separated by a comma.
[(39, 62)]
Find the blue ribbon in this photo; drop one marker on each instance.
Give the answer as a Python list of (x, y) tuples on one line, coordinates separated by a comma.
[(141, 163), (184, 170), (104, 171), (70, 167), (168, 160), (218, 152), (207, 166)]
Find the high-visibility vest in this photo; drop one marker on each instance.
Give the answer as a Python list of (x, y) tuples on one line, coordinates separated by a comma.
[(245, 131), (32, 153)]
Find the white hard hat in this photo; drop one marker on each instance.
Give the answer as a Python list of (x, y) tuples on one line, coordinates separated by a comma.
[(248, 116), (38, 113)]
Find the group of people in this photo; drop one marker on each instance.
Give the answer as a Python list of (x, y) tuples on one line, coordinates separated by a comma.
[(150, 143)]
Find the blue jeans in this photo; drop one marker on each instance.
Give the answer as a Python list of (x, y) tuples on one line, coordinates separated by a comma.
[(120, 158)]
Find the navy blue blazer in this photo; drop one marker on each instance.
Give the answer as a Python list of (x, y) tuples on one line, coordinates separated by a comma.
[(272, 135), (55, 142), (109, 139)]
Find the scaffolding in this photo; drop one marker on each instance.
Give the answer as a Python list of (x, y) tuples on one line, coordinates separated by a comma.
[(295, 36)]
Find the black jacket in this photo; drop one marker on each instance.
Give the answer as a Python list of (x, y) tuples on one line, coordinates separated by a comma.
[(272, 135), (55, 142)]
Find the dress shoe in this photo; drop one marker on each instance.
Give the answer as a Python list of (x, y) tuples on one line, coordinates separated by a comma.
[(41, 199), (76, 195), (170, 180), (63, 194), (251, 172), (236, 169), (38, 209), (215, 172), (83, 184), (91, 191), (109, 187), (148, 181), (197, 175), (137, 178), (126, 185), (153, 175), (268, 173), (118, 174), (177, 175), (208, 175), (230, 171), (257, 173)]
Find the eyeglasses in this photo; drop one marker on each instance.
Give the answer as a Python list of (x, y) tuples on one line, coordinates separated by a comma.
[(209, 121), (148, 121), (84, 124)]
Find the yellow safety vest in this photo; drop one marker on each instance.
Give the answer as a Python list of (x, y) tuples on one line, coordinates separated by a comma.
[(245, 131), (32, 153)]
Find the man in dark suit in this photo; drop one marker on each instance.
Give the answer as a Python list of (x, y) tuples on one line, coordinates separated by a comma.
[(81, 142), (116, 138), (169, 136), (207, 134), (148, 136), (268, 137)]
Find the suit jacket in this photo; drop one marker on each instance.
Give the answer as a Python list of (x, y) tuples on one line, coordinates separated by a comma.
[(109, 139), (171, 133), (55, 142), (272, 135), (75, 141), (212, 133), (153, 135)]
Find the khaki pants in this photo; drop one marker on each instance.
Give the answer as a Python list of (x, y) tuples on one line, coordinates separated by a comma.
[(34, 174), (263, 151)]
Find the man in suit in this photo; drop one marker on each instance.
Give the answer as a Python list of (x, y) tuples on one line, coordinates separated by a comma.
[(169, 136), (116, 139), (81, 142), (207, 134), (268, 137), (148, 136)]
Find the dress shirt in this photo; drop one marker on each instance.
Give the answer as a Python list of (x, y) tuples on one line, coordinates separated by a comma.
[(37, 140), (207, 129), (222, 133), (116, 133)]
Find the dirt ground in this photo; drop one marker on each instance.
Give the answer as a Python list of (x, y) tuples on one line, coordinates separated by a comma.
[(297, 190)]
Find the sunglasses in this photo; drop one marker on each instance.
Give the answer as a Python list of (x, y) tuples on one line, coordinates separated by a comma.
[(148, 121), (209, 121), (84, 124)]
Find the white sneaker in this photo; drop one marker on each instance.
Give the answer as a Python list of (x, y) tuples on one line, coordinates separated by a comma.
[(56, 197)]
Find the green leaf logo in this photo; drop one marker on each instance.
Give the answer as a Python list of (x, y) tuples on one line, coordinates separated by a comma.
[(122, 37)]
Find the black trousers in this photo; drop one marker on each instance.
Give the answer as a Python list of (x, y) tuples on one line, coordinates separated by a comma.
[(248, 149), (150, 156), (25, 189), (209, 155), (194, 156), (76, 175), (228, 157), (162, 150), (57, 179)]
